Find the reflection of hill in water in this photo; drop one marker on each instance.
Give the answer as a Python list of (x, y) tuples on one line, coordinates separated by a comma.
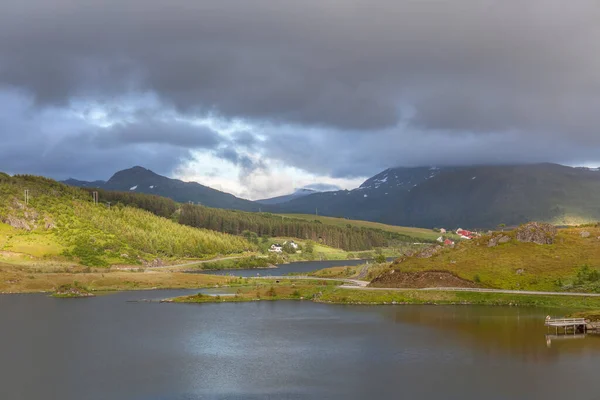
[(494, 331)]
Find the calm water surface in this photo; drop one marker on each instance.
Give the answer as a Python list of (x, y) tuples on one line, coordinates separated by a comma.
[(109, 348)]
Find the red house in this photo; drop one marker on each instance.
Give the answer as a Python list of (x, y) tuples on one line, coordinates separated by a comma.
[(465, 234)]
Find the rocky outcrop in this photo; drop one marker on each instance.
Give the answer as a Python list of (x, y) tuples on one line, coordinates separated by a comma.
[(585, 234), (536, 232), (17, 223), (72, 291), (429, 252), (500, 239)]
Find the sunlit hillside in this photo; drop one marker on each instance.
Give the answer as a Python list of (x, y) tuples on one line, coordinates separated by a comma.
[(58, 221)]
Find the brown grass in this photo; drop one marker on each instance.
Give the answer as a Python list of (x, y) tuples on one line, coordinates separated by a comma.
[(515, 265), (14, 279)]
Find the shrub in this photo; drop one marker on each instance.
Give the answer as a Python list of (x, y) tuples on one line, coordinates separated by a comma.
[(380, 258)]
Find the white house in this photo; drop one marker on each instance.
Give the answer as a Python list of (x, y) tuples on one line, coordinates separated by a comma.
[(276, 248)]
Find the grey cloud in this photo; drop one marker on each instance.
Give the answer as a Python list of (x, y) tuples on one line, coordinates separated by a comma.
[(337, 88), (463, 65), (53, 143), (245, 139), (245, 163), (322, 187), (165, 132)]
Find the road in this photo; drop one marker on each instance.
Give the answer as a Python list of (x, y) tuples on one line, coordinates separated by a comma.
[(474, 290), (356, 284)]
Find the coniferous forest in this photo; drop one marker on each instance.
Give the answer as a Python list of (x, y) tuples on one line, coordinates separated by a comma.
[(350, 238)]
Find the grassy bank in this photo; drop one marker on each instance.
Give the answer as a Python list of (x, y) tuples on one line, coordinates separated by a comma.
[(326, 292), (16, 279)]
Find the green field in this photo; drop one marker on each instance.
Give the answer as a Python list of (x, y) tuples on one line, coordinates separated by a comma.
[(322, 252), (422, 233)]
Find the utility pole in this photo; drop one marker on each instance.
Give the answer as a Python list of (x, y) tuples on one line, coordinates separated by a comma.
[(95, 197), (317, 212), (26, 196)]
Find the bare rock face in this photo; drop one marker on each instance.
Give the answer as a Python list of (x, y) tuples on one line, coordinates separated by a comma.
[(498, 240), (536, 232), (504, 239), (429, 252), (49, 224), (585, 234), (17, 223)]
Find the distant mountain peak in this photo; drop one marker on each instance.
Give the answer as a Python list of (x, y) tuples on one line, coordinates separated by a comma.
[(142, 180)]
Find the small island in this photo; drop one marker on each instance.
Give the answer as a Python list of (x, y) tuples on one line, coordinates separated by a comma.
[(72, 291)]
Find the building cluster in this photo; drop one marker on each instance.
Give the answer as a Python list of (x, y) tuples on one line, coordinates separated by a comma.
[(462, 233), (278, 248)]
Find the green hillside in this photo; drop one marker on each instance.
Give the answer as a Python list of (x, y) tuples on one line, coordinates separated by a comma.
[(417, 233), (334, 232), (62, 222), (570, 263)]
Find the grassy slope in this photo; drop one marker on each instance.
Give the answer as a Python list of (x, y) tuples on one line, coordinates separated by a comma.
[(515, 265), (65, 225), (409, 231)]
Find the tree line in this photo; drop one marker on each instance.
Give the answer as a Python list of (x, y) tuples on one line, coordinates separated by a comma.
[(269, 225), (350, 238)]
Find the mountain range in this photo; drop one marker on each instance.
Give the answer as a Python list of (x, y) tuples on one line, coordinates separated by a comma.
[(302, 192), (142, 180), (470, 196)]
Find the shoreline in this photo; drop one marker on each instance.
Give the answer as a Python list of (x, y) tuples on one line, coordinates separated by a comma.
[(330, 292), (334, 294)]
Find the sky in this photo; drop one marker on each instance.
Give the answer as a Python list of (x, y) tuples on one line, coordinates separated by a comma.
[(259, 97)]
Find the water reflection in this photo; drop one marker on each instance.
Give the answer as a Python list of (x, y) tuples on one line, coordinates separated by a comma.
[(110, 348), (497, 331)]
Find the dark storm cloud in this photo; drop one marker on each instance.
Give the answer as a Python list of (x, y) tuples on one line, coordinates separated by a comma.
[(156, 132), (357, 85), (53, 143), (245, 139)]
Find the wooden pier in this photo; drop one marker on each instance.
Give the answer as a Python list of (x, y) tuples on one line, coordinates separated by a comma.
[(567, 325)]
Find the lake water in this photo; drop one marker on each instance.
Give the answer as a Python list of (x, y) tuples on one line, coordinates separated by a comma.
[(110, 348), (283, 269)]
